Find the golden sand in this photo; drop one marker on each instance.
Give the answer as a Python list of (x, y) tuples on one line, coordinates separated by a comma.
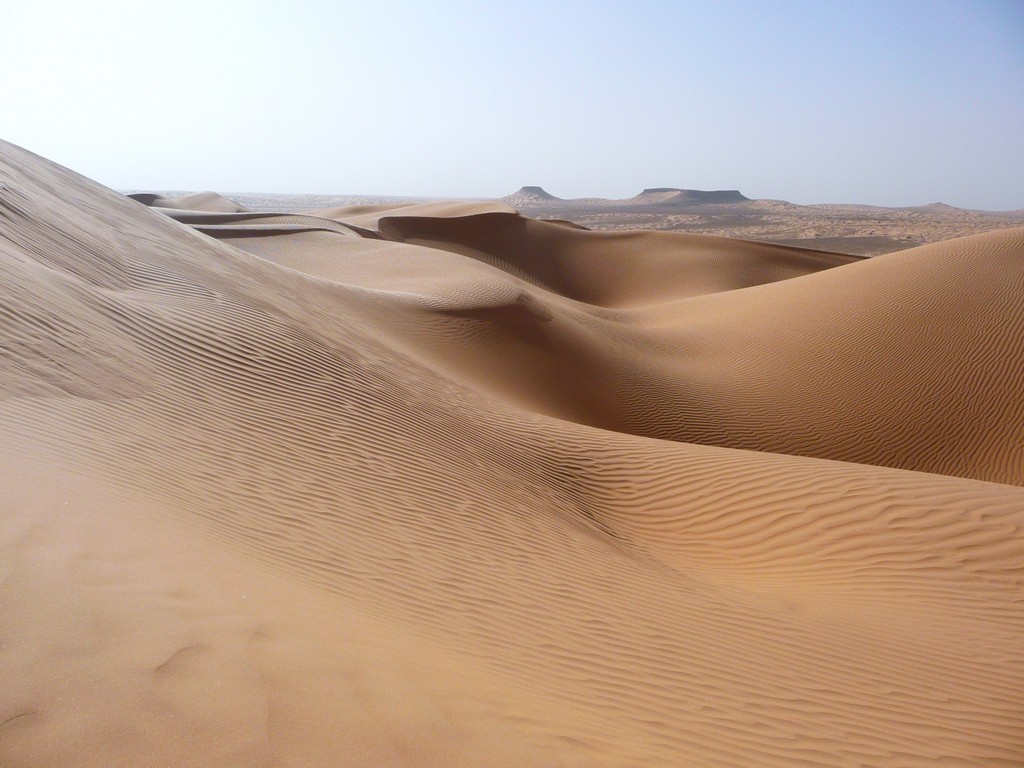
[(443, 485)]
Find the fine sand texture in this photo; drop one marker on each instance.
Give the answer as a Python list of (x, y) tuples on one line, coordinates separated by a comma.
[(443, 485)]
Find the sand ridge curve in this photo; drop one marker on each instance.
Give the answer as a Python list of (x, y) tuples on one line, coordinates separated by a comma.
[(359, 522)]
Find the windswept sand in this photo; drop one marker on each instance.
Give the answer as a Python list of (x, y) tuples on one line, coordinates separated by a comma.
[(442, 485)]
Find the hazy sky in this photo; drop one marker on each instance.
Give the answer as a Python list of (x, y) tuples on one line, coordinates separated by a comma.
[(891, 103)]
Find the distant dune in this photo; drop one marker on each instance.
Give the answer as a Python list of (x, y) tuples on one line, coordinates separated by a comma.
[(194, 201), (439, 484)]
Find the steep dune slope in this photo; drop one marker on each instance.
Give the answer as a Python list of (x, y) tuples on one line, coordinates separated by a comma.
[(907, 360), (490, 319), (610, 269), (255, 512)]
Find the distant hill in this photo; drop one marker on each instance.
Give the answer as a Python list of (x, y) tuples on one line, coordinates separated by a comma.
[(529, 196), (674, 196)]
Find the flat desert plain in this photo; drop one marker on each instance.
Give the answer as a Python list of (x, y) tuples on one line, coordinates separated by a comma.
[(444, 484)]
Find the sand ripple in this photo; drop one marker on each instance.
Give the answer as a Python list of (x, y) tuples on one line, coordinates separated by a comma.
[(446, 485)]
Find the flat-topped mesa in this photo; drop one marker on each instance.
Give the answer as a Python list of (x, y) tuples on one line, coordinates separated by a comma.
[(529, 196), (672, 195), (536, 192)]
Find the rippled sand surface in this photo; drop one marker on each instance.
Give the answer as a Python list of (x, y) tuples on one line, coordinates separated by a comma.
[(444, 485)]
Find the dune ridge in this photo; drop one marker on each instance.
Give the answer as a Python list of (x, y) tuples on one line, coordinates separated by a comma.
[(451, 486)]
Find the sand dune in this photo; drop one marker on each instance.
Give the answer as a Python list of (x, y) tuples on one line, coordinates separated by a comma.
[(194, 201), (609, 269), (449, 486)]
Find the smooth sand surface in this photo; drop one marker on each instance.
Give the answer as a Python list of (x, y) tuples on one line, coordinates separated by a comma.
[(442, 485)]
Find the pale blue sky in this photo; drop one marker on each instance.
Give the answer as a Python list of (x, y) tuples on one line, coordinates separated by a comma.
[(890, 103)]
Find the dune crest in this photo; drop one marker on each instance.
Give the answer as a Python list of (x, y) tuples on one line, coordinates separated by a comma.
[(210, 202), (444, 485)]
